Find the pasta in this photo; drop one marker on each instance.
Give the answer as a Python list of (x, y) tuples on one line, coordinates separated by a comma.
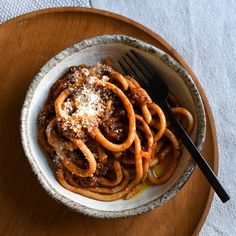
[(105, 135)]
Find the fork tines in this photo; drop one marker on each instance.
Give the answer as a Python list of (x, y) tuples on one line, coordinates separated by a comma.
[(131, 66), (133, 63)]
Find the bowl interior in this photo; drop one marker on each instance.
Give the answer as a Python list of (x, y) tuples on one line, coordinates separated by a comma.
[(92, 55)]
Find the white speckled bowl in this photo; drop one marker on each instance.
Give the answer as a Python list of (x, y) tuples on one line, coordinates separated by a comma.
[(91, 51)]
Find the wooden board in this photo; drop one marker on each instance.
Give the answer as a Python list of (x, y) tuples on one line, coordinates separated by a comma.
[(26, 43)]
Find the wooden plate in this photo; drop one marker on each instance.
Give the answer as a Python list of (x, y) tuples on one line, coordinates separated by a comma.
[(26, 43)]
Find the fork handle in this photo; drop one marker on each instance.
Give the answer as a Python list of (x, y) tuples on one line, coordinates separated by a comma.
[(199, 159)]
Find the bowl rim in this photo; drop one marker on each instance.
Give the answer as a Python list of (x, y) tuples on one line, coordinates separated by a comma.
[(136, 43)]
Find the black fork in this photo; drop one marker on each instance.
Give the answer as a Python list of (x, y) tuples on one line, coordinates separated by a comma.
[(137, 66)]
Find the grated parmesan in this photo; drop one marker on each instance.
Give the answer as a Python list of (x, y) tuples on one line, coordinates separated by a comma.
[(88, 102), (86, 105)]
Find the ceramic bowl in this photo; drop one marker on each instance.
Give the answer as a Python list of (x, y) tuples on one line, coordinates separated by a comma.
[(91, 51)]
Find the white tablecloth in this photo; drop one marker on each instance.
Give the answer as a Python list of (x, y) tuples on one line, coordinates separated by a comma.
[(204, 33)]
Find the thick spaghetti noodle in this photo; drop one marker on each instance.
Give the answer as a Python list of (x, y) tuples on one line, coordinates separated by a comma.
[(105, 135)]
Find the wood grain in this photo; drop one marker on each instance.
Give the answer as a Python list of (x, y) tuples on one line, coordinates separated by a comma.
[(26, 43)]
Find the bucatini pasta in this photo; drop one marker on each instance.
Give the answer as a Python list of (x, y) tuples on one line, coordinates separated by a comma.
[(105, 135)]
